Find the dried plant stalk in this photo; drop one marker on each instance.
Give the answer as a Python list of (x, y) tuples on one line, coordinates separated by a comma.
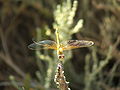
[(60, 78)]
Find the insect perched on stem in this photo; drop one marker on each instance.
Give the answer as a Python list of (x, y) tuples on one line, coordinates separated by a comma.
[(60, 47)]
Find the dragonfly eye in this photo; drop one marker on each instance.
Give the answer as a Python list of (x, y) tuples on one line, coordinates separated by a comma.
[(61, 56)]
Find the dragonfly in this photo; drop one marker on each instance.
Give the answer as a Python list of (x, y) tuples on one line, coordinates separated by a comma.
[(60, 47)]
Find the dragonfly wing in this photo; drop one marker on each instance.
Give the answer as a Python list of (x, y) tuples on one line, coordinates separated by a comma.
[(46, 44), (35, 46), (72, 44)]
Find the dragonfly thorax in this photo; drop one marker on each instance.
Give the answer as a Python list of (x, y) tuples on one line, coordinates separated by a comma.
[(60, 53), (61, 49)]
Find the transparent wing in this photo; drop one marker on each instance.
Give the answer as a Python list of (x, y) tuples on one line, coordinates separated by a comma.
[(72, 44), (46, 44)]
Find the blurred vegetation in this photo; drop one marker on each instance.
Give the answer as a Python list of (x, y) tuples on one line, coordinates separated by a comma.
[(94, 68)]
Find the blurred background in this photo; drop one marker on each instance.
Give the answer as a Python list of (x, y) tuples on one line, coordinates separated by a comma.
[(92, 68)]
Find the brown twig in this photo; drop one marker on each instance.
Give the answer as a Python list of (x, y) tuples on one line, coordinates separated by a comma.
[(7, 58), (60, 79)]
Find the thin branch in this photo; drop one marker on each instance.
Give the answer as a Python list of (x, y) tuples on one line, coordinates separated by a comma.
[(60, 79), (7, 58)]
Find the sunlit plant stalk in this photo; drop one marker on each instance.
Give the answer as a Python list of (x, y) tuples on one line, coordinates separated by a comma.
[(64, 20)]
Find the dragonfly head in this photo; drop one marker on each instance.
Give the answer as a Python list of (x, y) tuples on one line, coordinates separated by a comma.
[(61, 56), (60, 53)]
